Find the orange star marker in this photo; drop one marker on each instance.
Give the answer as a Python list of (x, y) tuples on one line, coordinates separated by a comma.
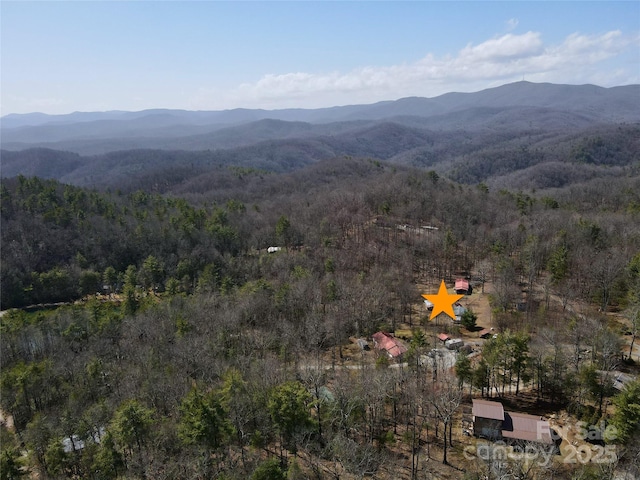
[(442, 302)]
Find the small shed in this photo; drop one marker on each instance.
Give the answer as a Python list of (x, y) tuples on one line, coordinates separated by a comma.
[(485, 333), (462, 287), (443, 337)]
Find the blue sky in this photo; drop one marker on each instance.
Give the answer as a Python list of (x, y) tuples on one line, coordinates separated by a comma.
[(60, 57)]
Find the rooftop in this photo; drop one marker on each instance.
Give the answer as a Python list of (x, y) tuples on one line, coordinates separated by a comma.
[(531, 428), (387, 342), (487, 409)]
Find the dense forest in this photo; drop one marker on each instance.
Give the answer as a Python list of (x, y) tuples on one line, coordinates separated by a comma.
[(525, 159), (171, 314), (186, 350)]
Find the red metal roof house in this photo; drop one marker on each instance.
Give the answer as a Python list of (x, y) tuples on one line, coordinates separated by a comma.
[(390, 344)]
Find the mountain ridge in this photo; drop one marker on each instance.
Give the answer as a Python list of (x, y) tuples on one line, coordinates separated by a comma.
[(485, 136), (517, 93)]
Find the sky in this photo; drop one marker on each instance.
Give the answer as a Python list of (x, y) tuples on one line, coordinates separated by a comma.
[(61, 57)]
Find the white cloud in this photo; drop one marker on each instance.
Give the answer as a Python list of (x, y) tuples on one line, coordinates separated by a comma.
[(503, 48), (512, 23), (505, 58)]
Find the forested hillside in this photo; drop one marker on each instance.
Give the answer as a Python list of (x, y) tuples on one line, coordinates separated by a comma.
[(513, 159), (180, 366), (207, 307)]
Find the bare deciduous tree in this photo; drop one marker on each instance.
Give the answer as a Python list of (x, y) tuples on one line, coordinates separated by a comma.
[(445, 397)]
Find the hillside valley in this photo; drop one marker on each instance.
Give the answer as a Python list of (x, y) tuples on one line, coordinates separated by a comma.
[(518, 136), (198, 294)]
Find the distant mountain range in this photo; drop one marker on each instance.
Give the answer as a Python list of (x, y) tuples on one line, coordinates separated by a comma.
[(468, 136), (513, 106)]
